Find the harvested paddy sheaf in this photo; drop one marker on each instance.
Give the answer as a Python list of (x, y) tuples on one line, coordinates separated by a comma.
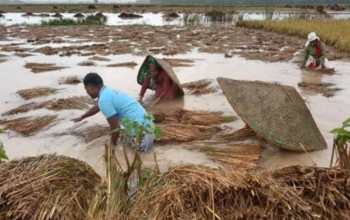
[(98, 58), (75, 102), (177, 133), (326, 89), (332, 32), (28, 126), (46, 187), (90, 133), (42, 67), (200, 87), (239, 135), (179, 62), (230, 156), (171, 15), (36, 92), (87, 63), (71, 80), (130, 64), (192, 117), (185, 125), (195, 192)]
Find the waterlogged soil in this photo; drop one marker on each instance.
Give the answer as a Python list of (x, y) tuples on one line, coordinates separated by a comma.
[(197, 52)]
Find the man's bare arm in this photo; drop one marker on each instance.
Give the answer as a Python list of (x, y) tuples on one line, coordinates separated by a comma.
[(92, 111), (113, 124)]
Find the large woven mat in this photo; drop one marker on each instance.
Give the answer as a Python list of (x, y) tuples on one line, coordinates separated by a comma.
[(144, 70), (276, 112)]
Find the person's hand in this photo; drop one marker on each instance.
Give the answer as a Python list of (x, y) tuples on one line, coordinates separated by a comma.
[(156, 101), (77, 119), (319, 67), (140, 99)]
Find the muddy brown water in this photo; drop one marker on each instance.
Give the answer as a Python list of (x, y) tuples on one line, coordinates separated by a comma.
[(327, 112)]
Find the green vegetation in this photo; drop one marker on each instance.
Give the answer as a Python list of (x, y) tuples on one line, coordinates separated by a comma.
[(333, 32), (3, 155), (342, 145), (90, 20)]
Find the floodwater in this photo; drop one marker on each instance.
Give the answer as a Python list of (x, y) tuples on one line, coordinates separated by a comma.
[(158, 19), (327, 112)]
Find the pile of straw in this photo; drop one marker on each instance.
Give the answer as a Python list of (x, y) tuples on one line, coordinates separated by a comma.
[(131, 64), (194, 192), (98, 58), (35, 92), (42, 67), (326, 89), (177, 133), (91, 133), (46, 187), (185, 125), (28, 126), (200, 87), (75, 102), (179, 62), (192, 117), (87, 63), (239, 135), (231, 156), (71, 80)]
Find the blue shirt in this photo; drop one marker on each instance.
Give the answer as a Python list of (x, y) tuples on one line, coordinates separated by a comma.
[(116, 103)]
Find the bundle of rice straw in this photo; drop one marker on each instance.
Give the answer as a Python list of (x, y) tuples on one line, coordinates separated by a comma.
[(195, 192), (200, 87), (192, 117), (46, 187), (28, 126), (91, 133), (71, 80), (36, 92)]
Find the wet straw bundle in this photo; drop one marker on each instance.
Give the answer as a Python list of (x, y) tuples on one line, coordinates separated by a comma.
[(179, 62), (193, 117), (91, 133), (195, 192), (36, 92), (42, 67), (231, 157), (199, 87), (327, 191), (71, 80), (130, 64), (176, 133), (239, 135), (28, 126), (75, 102), (46, 187)]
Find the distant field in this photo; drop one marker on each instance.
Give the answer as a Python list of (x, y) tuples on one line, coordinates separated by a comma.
[(333, 32)]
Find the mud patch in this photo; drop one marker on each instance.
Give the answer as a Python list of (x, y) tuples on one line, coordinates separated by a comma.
[(36, 92), (200, 87), (326, 89), (179, 62), (129, 16), (126, 64), (28, 126), (42, 67)]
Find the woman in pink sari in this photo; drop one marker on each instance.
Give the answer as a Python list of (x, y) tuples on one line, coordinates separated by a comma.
[(158, 79)]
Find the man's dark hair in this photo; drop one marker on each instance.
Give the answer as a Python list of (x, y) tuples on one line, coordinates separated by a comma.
[(93, 79)]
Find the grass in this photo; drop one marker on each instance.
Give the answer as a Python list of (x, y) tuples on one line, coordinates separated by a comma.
[(332, 32), (70, 22)]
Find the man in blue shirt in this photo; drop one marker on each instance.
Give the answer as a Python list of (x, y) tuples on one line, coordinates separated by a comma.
[(115, 106)]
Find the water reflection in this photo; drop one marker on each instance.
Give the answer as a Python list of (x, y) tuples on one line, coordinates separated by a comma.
[(158, 19)]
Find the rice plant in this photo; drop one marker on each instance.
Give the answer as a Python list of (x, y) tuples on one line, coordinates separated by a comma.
[(341, 145), (3, 156), (332, 32)]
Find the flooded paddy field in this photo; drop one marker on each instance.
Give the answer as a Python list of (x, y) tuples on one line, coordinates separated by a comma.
[(51, 61)]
